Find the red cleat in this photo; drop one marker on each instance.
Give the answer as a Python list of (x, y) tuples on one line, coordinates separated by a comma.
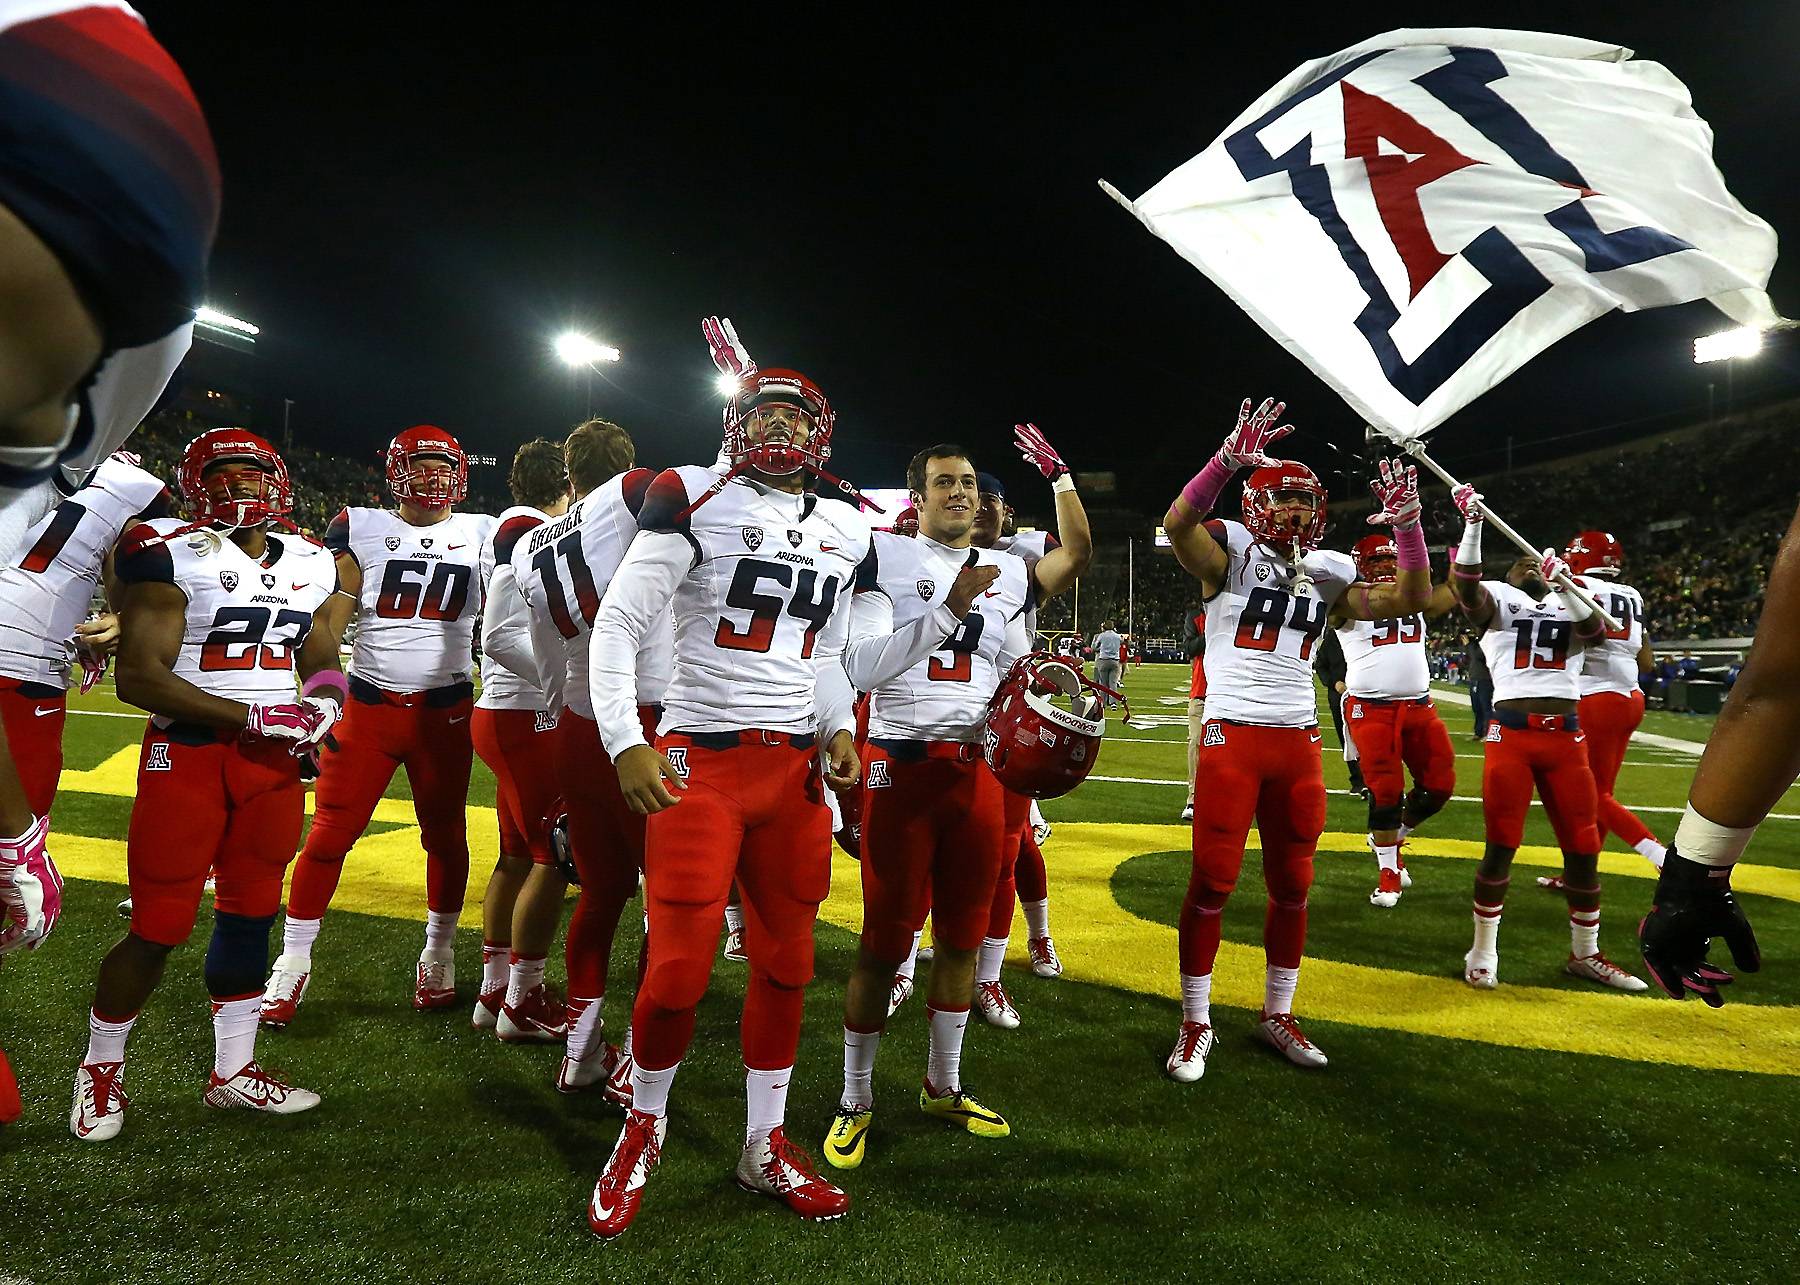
[(621, 1186), (538, 1018), (434, 985), (779, 1169)]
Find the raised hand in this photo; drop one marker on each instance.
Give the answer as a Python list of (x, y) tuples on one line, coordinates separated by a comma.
[(1468, 502), (1552, 567), (1398, 490), (1247, 445), (1038, 452), (728, 352)]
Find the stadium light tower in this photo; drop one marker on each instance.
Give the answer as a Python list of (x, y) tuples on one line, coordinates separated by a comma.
[(580, 352), (1727, 346), (726, 384)]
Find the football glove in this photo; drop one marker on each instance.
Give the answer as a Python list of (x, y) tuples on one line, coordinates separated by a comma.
[(1468, 502), (1038, 452), (1247, 445), (1694, 904), (1398, 491), (30, 889), (301, 721)]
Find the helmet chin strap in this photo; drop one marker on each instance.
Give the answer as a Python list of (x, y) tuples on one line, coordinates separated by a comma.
[(739, 467)]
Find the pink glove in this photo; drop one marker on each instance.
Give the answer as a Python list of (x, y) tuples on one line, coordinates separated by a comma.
[(30, 889), (93, 669), (1467, 501), (302, 721), (1038, 452), (1247, 445), (1398, 491), (1552, 567)]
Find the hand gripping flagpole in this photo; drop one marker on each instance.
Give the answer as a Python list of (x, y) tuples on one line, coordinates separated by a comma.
[(1415, 447)]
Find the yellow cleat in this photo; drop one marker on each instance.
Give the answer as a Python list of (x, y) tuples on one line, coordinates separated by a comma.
[(849, 1131), (962, 1111)]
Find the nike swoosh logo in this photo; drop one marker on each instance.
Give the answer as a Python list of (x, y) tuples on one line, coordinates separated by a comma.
[(44, 713), (295, 588), (827, 548), (455, 547), (1317, 737), (454, 721)]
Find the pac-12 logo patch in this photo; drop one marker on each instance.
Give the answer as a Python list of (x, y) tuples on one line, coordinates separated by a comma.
[(1215, 735), (1262, 571), (230, 580), (752, 538), (392, 542), (927, 589), (878, 775), (678, 760), (159, 758), (425, 544)]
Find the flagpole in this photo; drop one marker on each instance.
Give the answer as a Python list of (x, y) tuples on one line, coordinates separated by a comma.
[(1416, 448)]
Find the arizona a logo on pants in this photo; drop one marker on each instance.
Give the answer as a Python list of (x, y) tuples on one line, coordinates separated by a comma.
[(159, 758), (678, 760), (878, 774), (1215, 735)]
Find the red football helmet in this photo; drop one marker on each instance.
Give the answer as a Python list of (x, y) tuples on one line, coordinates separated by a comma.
[(907, 523), (210, 502), (434, 490), (1260, 490), (1371, 549), (1595, 553), (778, 387), (1038, 748)]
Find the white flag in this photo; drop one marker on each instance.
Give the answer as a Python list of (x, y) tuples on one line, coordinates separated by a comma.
[(1419, 215)]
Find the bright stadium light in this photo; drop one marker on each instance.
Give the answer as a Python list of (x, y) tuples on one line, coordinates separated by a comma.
[(1743, 341), (726, 384), (578, 349), (205, 316)]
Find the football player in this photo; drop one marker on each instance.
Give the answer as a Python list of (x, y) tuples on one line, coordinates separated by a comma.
[(1268, 590), (410, 579), (514, 731), (1390, 717), (1751, 759), (934, 820), (1533, 636), (219, 617), (564, 570), (758, 568), (1055, 563)]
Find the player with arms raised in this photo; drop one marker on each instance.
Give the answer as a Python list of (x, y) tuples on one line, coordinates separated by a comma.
[(1533, 636), (1268, 590), (218, 617), (411, 579)]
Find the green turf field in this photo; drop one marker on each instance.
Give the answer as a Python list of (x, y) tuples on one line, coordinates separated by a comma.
[(1545, 1130)]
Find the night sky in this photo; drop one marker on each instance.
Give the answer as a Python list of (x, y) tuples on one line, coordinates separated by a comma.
[(905, 208)]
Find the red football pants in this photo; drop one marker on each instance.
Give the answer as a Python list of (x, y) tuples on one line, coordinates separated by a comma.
[(1394, 738), (932, 840), (1018, 833), (754, 812), (433, 744), (1608, 719), (1272, 775), (1557, 763), (232, 808), (521, 753), (607, 840), (33, 714)]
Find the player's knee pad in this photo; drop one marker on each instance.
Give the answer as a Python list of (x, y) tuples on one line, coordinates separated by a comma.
[(788, 964), (237, 958), (1384, 816), (163, 916), (1288, 882), (1208, 897), (1288, 901), (678, 984), (1422, 804)]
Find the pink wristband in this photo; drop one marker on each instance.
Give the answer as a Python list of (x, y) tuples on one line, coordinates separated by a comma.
[(1409, 548), (329, 681), (1203, 491)]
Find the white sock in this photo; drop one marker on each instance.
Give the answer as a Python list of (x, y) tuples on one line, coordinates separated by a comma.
[(1652, 850), (234, 1034), (860, 1048), (106, 1040), (987, 965), (440, 929), (1037, 815), (765, 1103), (494, 966), (1487, 934), (650, 1089), (943, 1064), (297, 938), (1196, 998), (1278, 988), (1584, 933), (624, 1044), (1037, 917), (912, 957), (584, 1031), (734, 917), (522, 975), (1386, 854)]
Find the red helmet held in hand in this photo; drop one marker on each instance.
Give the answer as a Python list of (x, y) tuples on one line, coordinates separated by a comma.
[(1595, 553), (434, 488), (223, 499), (1370, 552), (1035, 746), (1263, 492), (907, 523)]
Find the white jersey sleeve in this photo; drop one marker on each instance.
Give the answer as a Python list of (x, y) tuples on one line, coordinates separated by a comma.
[(1262, 626), (1612, 665), (1385, 659), (246, 617), (46, 588), (1529, 646), (509, 667)]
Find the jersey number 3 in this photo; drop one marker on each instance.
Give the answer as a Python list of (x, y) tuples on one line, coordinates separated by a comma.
[(961, 645), (808, 600)]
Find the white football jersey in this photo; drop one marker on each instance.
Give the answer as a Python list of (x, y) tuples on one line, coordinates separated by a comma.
[(245, 618), (421, 596), (505, 619), (1385, 659), (1612, 665), (563, 570), (760, 582), (1262, 626), (944, 696), (46, 588), (1529, 646), (1031, 546)]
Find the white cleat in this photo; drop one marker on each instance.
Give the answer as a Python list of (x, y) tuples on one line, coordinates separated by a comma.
[(254, 1089), (1041, 831), (1045, 962), (1188, 1061), (1387, 890), (576, 1074), (434, 981), (899, 993), (1187, 812), (1405, 874), (1283, 1033), (287, 986), (1481, 971), (734, 947), (1598, 968), (487, 1008), (99, 1110), (996, 1008)]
